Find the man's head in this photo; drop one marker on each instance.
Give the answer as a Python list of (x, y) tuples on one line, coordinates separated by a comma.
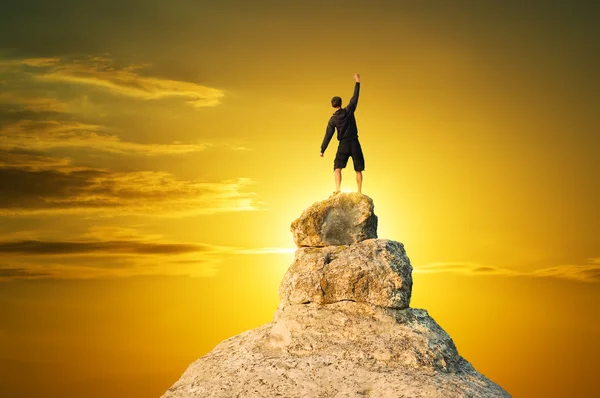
[(336, 102)]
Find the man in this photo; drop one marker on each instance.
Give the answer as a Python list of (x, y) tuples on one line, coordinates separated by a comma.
[(347, 134)]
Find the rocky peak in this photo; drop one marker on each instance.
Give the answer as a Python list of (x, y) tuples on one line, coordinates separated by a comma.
[(343, 327)]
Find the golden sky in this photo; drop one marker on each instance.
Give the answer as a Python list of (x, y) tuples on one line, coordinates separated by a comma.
[(153, 155)]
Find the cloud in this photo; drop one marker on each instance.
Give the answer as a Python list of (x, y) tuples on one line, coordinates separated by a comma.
[(109, 266), (33, 118), (118, 233), (267, 250), (39, 62), (31, 160), (43, 135), (35, 62), (11, 273), (125, 79), (96, 253), (35, 247), (67, 189), (461, 267), (589, 271), (109, 251), (14, 102), (131, 241)]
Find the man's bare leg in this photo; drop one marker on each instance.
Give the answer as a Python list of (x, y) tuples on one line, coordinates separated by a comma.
[(359, 181), (338, 179)]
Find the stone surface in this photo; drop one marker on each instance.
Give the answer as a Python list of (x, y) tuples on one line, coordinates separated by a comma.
[(343, 327), (375, 271), (343, 349), (342, 219)]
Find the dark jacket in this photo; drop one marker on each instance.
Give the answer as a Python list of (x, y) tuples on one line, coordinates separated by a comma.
[(343, 119)]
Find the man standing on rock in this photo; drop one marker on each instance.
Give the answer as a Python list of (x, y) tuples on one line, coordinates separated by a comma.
[(347, 134)]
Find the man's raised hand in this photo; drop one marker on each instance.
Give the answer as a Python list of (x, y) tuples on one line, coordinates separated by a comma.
[(357, 77)]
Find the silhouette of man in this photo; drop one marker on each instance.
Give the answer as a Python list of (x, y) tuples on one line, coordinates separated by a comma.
[(347, 134)]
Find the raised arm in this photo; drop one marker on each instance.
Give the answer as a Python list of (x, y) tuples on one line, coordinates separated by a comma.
[(354, 100), (328, 135)]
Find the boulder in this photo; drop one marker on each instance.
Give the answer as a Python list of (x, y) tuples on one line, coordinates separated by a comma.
[(342, 219), (374, 271)]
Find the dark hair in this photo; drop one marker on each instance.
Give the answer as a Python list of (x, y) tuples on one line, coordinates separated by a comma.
[(336, 101)]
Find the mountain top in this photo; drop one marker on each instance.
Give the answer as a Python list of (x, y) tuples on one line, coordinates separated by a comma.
[(343, 327)]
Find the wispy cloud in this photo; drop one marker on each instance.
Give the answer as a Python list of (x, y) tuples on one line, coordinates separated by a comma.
[(109, 266), (461, 267), (118, 233), (37, 119), (588, 271), (32, 117), (15, 102), (43, 135), (12, 273), (63, 188), (118, 240), (37, 62), (36, 247), (110, 251), (266, 250), (107, 252), (120, 79), (31, 160)]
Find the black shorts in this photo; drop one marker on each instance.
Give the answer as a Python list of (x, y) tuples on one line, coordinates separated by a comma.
[(347, 149)]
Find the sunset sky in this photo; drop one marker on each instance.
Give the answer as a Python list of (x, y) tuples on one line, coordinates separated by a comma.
[(153, 155)]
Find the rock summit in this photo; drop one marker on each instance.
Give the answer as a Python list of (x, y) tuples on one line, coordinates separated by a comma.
[(343, 219), (343, 327)]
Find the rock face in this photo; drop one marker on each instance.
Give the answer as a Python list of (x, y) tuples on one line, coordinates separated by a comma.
[(374, 271), (343, 219), (343, 328)]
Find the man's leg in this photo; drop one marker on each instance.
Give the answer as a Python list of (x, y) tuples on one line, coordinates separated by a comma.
[(338, 179), (340, 161), (359, 163)]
